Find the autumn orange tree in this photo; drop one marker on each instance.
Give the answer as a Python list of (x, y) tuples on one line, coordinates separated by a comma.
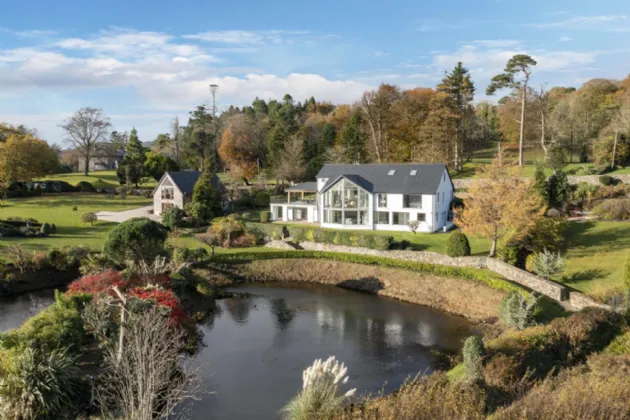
[(238, 148), (499, 204), (24, 157)]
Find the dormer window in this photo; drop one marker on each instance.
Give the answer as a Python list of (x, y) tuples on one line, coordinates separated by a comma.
[(413, 172), (391, 172)]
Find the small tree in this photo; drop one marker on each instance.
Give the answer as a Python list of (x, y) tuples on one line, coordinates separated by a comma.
[(17, 255), (173, 217), (89, 218), (548, 264), (205, 193), (474, 352), (262, 199), (457, 245), (200, 213), (517, 311), (136, 239), (413, 226)]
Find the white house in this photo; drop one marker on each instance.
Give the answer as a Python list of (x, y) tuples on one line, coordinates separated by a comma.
[(176, 188), (372, 196)]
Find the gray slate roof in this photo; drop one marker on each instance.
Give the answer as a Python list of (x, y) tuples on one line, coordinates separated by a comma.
[(374, 177), (185, 180), (305, 186)]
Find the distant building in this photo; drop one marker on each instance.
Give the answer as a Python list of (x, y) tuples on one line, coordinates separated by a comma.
[(104, 158), (176, 189)]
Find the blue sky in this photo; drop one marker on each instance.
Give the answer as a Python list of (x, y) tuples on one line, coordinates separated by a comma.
[(145, 62)]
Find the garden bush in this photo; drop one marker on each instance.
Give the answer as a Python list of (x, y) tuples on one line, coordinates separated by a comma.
[(265, 216), (45, 229), (457, 245), (246, 216), (59, 325), (548, 264), (96, 263), (85, 187), (606, 180), (298, 234), (53, 228), (382, 242), (8, 231), (89, 218), (262, 199), (173, 217), (36, 383), (136, 239), (365, 241), (617, 209), (473, 352), (343, 238), (323, 236), (517, 311)]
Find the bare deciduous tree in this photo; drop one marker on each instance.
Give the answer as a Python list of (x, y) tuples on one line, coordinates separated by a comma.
[(377, 107), (149, 381), (85, 129), (292, 166)]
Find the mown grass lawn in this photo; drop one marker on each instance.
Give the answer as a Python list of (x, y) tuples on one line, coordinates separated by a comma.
[(57, 209), (99, 179), (595, 256)]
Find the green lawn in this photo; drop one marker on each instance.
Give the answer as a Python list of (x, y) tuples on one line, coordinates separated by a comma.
[(57, 209), (595, 256), (99, 179)]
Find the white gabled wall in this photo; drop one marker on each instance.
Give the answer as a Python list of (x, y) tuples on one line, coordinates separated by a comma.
[(178, 196)]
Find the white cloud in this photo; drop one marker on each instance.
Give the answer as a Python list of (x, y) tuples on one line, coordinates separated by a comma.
[(228, 37), (381, 54), (496, 43), (581, 22), (565, 39)]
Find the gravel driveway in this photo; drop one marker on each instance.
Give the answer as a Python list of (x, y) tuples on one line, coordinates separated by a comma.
[(122, 216)]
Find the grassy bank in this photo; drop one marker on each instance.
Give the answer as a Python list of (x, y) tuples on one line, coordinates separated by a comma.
[(98, 179), (595, 254), (58, 209)]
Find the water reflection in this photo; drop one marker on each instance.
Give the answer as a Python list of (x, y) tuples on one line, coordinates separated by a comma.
[(281, 311), (258, 347)]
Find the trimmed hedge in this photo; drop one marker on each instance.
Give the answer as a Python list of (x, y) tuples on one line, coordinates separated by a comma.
[(457, 245), (478, 275), (265, 216), (355, 239)]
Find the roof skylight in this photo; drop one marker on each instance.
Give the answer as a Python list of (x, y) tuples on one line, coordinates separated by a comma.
[(413, 172), (391, 172)]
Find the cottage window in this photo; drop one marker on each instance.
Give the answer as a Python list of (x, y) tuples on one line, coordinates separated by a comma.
[(412, 201), (422, 217), (400, 218), (381, 217), (382, 200), (168, 194)]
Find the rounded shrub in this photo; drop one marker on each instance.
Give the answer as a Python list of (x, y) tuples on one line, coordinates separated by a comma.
[(89, 218), (46, 229), (53, 228), (606, 180), (173, 217), (382, 242), (457, 245), (262, 199), (473, 352), (85, 187), (530, 263), (136, 239), (265, 216), (246, 216)]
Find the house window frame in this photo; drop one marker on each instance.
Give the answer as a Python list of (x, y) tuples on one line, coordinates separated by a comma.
[(421, 217), (397, 214), (381, 197), (357, 206), (407, 201), (377, 219), (166, 190)]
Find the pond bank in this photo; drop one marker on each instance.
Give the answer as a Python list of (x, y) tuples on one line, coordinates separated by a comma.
[(16, 283), (454, 295)]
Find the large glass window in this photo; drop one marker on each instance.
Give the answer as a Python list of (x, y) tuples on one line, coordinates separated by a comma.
[(400, 218), (412, 201), (278, 212), (382, 217), (349, 204), (167, 193)]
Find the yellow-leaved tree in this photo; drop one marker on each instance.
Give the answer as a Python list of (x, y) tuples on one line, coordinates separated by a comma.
[(24, 157), (499, 204)]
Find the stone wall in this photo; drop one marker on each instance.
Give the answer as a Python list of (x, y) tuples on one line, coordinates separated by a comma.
[(580, 301), (573, 179), (545, 287), (416, 256)]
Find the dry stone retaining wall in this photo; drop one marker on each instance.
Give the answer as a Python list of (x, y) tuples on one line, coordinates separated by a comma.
[(580, 301), (573, 179), (545, 287)]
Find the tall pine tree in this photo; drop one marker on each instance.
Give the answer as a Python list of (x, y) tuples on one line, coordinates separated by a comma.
[(352, 140), (131, 169)]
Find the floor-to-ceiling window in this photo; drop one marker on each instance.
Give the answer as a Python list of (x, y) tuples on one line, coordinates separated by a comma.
[(345, 203)]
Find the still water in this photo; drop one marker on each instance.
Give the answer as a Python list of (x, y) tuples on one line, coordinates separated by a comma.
[(256, 348)]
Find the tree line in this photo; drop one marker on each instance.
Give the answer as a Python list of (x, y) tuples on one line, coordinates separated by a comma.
[(291, 140)]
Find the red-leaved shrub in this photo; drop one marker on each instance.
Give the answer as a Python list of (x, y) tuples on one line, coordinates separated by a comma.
[(164, 298), (97, 283)]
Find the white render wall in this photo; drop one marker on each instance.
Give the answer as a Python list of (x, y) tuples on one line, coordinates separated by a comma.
[(288, 209), (431, 207), (178, 196)]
